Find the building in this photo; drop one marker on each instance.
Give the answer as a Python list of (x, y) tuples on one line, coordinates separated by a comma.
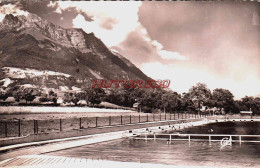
[(246, 113)]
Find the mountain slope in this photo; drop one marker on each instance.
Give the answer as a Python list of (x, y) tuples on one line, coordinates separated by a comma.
[(31, 42)]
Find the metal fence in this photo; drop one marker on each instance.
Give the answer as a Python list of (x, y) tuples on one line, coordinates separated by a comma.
[(18, 128)]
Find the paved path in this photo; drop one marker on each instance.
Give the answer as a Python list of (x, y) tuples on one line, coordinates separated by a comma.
[(44, 161), (85, 140)]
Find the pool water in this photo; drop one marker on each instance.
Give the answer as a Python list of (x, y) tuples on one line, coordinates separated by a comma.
[(179, 152), (236, 128)]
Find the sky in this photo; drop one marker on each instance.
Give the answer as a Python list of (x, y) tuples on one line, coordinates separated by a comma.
[(216, 43)]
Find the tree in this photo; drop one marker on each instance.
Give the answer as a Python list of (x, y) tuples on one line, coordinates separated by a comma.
[(94, 95), (171, 101), (236, 108), (3, 94), (53, 96), (152, 99), (252, 103), (50, 97), (186, 103), (71, 97), (257, 105), (199, 94), (26, 93), (223, 98)]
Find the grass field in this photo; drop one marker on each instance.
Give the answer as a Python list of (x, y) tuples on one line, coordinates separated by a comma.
[(44, 109), (65, 121)]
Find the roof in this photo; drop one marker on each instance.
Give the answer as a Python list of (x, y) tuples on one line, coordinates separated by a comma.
[(246, 112), (136, 104)]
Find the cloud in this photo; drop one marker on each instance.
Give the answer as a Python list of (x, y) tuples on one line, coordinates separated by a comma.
[(168, 55), (211, 35), (171, 55), (11, 9), (111, 21), (184, 76), (50, 11), (117, 24), (137, 47), (255, 19), (157, 44)]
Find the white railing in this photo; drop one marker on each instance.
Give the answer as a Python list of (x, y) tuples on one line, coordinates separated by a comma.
[(196, 137)]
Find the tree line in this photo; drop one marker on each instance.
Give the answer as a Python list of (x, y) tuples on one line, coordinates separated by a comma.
[(148, 99)]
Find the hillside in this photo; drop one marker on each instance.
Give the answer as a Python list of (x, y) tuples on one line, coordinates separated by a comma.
[(48, 55)]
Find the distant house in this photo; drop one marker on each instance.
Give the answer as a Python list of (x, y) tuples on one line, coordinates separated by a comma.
[(9, 100), (82, 102), (246, 113), (136, 105), (59, 100), (212, 110)]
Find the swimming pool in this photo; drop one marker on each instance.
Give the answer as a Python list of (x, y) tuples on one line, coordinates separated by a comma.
[(199, 153)]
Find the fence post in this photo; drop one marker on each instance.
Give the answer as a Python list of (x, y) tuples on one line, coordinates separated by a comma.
[(174, 115), (19, 128), (80, 123), (130, 120), (170, 116), (34, 126), (121, 120), (96, 121), (178, 115), (5, 128), (164, 116), (60, 125), (153, 117), (160, 117), (37, 127), (109, 120), (139, 118)]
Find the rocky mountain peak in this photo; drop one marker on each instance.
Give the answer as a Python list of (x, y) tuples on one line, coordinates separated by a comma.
[(32, 42), (74, 37), (11, 20)]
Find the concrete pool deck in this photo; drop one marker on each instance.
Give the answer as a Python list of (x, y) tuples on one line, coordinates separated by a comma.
[(44, 161)]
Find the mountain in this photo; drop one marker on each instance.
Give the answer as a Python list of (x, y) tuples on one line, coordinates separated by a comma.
[(36, 52)]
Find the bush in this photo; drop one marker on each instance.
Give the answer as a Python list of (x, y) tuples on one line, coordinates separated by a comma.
[(146, 109)]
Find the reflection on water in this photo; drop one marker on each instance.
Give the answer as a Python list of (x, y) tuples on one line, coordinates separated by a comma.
[(237, 128), (178, 152)]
